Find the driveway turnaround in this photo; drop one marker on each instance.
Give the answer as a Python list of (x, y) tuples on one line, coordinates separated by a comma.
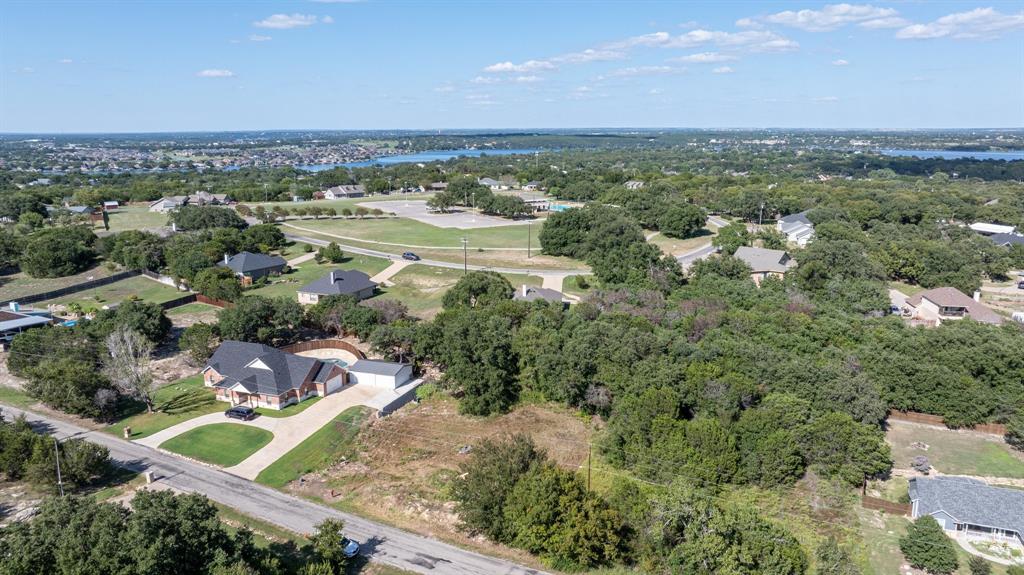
[(288, 431), (390, 271), (380, 542)]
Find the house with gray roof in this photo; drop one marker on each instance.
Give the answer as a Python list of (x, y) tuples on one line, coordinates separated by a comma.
[(530, 293), (251, 267), (377, 373), (338, 282), (967, 506), (797, 228), (14, 321), (258, 375), (1007, 240), (344, 192), (764, 263)]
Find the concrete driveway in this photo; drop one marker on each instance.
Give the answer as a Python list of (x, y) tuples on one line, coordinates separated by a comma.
[(288, 431), (897, 298)]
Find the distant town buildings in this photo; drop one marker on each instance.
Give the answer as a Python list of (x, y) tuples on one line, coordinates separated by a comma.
[(634, 184)]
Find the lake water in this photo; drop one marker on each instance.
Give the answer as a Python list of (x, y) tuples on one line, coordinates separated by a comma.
[(419, 157), (956, 154)]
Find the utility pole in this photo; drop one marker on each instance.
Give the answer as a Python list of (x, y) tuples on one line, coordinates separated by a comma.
[(590, 454), (465, 256), (529, 239), (56, 450)]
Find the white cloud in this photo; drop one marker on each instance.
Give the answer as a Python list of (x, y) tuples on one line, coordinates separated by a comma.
[(527, 79), (525, 67), (749, 23), (644, 71), (259, 38), (65, 61), (840, 62), (753, 40), (893, 22), (26, 70), (705, 58), (327, 20), (656, 91), (723, 70), (980, 23), (831, 17), (484, 80), (215, 73), (825, 100), (444, 88), (590, 55), (287, 21)]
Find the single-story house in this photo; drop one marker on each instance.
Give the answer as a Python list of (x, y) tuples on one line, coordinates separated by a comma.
[(110, 205), (530, 293), (377, 373), (14, 320), (948, 303), (204, 198), (987, 229), (250, 267), (765, 263), (797, 228), (438, 186), (77, 210), (634, 184), (968, 506), (532, 186), (258, 375), (1007, 240), (344, 192), (167, 204), (491, 183), (338, 282)]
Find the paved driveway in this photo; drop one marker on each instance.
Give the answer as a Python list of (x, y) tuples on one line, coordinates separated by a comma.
[(288, 431)]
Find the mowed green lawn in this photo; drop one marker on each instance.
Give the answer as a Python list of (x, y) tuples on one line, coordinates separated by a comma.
[(289, 283), (136, 218), (223, 444), (318, 451), (140, 287), (18, 285), (409, 232), (175, 402), (954, 452), (422, 288), (338, 204)]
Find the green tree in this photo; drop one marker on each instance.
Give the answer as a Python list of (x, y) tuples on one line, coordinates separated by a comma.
[(330, 253), (723, 265), (927, 547), (53, 253), (1015, 431), (478, 288), (259, 319), (732, 237), (218, 283), (979, 566), (327, 544), (681, 220), (199, 340), (144, 317), (834, 560), (187, 218)]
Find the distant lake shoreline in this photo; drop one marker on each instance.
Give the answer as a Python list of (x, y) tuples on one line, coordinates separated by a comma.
[(955, 154), (418, 157)]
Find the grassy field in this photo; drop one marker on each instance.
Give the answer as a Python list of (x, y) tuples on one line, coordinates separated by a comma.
[(136, 218), (955, 452), (675, 247), (15, 397), (223, 444), (318, 451), (288, 284), (907, 289), (175, 402), (404, 232), (293, 409), (192, 308), (140, 287), (422, 287), (339, 204), (20, 285)]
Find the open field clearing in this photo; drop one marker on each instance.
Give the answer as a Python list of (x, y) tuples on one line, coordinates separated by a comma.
[(138, 286), (405, 232), (422, 287), (954, 452), (20, 284), (675, 247), (136, 218), (337, 204)]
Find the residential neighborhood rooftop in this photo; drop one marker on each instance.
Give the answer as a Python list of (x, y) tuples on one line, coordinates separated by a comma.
[(969, 501), (530, 293), (763, 260), (950, 297), (339, 282), (245, 262), (376, 367), (261, 368)]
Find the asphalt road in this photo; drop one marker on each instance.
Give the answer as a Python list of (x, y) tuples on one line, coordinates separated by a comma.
[(380, 542), (686, 260), (437, 263)]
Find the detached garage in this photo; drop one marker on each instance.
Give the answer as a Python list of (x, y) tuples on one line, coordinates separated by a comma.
[(384, 374)]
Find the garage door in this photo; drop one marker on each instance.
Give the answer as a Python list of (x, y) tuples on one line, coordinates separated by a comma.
[(333, 384)]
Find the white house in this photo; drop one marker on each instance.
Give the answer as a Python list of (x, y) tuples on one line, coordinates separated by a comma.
[(164, 205), (987, 229), (797, 228), (491, 183), (376, 373), (634, 184), (344, 192)]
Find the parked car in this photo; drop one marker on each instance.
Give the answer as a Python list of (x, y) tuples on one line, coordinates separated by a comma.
[(894, 309), (410, 256), (241, 412), (1020, 284), (349, 547)]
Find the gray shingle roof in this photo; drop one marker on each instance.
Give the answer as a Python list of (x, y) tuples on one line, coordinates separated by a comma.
[(15, 320), (376, 367), (339, 282), (1006, 239), (800, 218), (286, 370), (247, 262), (763, 260), (528, 293), (969, 501)]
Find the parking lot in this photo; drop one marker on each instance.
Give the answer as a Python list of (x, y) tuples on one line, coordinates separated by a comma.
[(417, 210)]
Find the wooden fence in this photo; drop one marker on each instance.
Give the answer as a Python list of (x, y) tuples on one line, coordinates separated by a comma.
[(936, 420), (868, 502), (324, 344), (194, 298), (43, 296)]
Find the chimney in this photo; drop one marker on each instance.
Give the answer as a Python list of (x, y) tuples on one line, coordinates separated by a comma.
[(332, 277), (14, 306), (225, 257), (525, 289), (977, 295)]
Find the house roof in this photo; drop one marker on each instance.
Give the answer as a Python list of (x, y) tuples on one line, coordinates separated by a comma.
[(986, 228), (261, 368), (969, 501), (488, 181), (347, 190), (529, 293), (339, 282), (952, 297), (800, 218), (246, 262), (1006, 239), (14, 320), (376, 367), (763, 260)]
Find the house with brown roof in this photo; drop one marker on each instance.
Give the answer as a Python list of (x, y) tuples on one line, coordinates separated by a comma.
[(948, 304)]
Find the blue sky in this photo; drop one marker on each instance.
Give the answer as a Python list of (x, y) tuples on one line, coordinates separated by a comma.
[(175, 66)]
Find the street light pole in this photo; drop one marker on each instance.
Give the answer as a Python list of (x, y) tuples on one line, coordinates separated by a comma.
[(56, 450), (529, 238), (465, 256)]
